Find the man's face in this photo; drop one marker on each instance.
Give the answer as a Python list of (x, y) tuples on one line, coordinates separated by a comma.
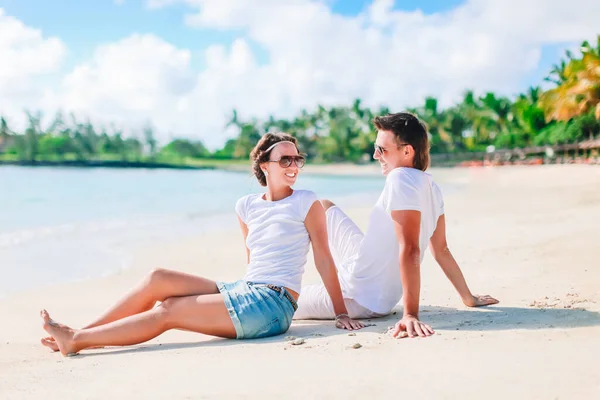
[(390, 153)]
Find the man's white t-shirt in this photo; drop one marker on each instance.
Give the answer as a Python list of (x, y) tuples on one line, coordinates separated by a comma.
[(372, 276)]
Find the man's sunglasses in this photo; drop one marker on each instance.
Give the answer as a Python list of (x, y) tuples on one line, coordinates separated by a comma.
[(380, 149), (286, 161)]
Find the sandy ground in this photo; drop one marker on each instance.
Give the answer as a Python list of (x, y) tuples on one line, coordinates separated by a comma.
[(529, 236)]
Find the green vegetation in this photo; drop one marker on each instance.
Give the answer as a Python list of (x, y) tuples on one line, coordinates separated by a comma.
[(569, 112)]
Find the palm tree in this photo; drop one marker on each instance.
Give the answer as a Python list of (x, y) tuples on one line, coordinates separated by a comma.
[(150, 140), (30, 138), (133, 148), (529, 116), (578, 87), (247, 139), (234, 120), (498, 110), (456, 125), (558, 74), (441, 140), (249, 134), (4, 133), (588, 87)]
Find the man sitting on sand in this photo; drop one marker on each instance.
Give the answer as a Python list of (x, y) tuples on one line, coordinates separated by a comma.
[(378, 268)]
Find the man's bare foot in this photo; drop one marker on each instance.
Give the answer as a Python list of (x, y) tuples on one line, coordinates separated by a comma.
[(62, 334)]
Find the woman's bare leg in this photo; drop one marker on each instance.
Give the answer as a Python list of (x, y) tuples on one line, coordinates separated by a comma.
[(158, 285), (203, 314)]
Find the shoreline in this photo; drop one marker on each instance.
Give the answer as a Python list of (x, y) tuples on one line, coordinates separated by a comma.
[(103, 164), (332, 169)]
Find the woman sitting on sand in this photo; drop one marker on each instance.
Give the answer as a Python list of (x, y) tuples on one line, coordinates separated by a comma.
[(278, 227), (378, 268)]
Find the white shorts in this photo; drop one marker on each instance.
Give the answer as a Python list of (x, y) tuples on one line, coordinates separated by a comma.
[(315, 303), (345, 238)]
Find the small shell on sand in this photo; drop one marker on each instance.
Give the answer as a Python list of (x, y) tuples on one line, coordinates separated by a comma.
[(403, 335), (352, 334), (356, 346), (290, 338), (298, 341), (388, 330)]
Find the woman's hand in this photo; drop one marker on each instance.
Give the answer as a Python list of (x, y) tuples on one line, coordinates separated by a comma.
[(478, 300), (345, 322)]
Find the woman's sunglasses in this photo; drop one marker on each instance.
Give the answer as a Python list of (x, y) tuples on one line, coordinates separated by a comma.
[(286, 161)]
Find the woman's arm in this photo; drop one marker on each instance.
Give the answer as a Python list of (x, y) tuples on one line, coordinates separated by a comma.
[(245, 234), (317, 230), (441, 253)]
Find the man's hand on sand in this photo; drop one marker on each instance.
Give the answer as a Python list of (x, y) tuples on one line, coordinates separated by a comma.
[(478, 300), (412, 326), (348, 323)]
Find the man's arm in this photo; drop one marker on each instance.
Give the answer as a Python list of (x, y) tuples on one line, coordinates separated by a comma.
[(442, 255), (407, 224)]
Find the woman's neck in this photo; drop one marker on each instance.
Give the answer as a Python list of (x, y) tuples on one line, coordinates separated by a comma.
[(276, 194)]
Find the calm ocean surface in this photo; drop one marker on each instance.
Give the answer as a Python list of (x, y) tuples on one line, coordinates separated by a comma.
[(65, 224)]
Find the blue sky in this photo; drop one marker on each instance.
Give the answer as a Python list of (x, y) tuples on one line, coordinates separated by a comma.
[(85, 24), (130, 64), (82, 25)]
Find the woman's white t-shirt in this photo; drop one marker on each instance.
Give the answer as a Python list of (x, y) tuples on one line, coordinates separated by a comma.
[(277, 237), (372, 277)]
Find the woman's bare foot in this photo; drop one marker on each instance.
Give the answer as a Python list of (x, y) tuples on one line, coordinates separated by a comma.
[(50, 343), (62, 334)]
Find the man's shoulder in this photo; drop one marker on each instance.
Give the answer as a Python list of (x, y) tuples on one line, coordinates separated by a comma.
[(409, 176)]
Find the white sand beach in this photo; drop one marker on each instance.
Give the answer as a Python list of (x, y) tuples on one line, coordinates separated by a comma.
[(529, 236)]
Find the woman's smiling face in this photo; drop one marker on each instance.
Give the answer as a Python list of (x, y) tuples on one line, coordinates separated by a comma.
[(277, 175)]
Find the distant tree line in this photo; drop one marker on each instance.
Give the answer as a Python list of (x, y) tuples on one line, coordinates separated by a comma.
[(568, 112)]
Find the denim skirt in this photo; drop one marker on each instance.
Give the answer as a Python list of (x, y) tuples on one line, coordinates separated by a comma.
[(257, 310)]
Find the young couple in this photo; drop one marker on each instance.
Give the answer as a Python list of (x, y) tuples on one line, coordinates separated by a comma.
[(364, 274)]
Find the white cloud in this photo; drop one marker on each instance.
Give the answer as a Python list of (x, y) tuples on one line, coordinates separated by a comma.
[(395, 57), (138, 78), (119, 2), (144, 78), (27, 58), (383, 56)]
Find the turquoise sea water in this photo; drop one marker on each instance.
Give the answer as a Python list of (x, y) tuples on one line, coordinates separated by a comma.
[(64, 224)]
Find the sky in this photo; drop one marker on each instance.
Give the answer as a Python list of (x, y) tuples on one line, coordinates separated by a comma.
[(182, 66)]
